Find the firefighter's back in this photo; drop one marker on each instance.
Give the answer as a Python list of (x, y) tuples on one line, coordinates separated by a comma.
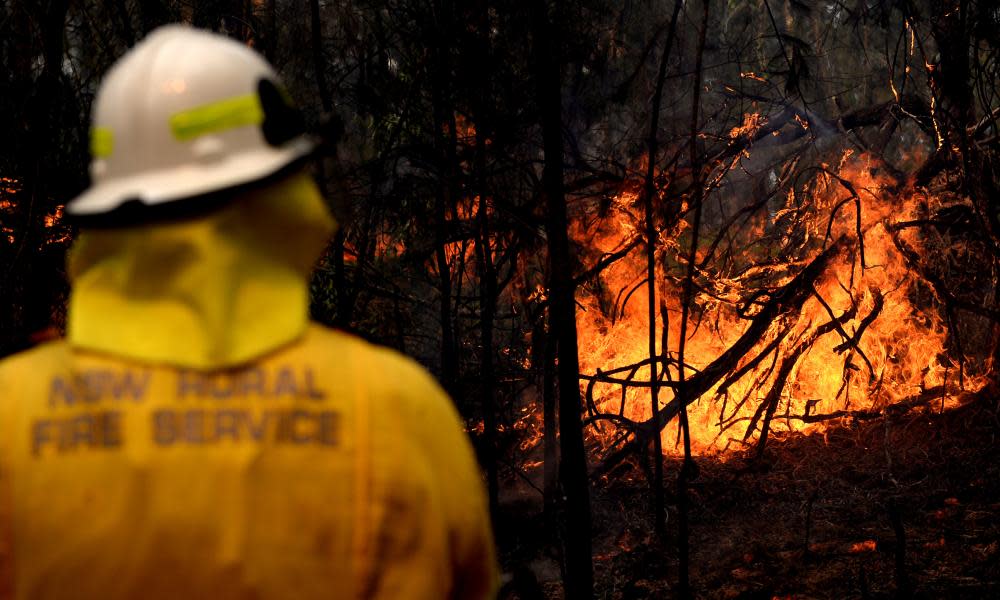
[(329, 468)]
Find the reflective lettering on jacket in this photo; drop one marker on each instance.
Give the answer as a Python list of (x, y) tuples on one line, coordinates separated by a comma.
[(331, 468), (198, 426)]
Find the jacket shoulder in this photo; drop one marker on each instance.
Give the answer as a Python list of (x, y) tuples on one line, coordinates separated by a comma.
[(35, 360), (23, 375), (390, 368), (394, 380)]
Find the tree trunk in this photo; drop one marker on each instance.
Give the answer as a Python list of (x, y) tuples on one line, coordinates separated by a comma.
[(319, 62), (562, 309), (444, 136), (31, 295), (649, 190), (484, 256), (549, 423), (344, 301), (688, 469), (270, 23)]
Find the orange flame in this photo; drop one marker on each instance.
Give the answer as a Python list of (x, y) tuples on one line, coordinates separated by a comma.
[(751, 123), (879, 345)]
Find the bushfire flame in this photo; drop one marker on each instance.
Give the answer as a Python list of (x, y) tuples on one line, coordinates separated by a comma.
[(867, 334)]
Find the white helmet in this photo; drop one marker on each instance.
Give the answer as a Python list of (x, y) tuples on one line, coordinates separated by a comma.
[(184, 114)]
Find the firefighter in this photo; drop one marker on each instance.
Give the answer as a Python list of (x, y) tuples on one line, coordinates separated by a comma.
[(195, 436)]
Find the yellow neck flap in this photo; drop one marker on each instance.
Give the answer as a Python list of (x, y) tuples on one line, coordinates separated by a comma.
[(211, 292)]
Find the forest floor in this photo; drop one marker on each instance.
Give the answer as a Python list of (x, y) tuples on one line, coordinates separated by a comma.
[(820, 516)]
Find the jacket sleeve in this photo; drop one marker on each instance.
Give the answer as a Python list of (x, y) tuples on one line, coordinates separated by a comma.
[(6, 500), (458, 479), (474, 557)]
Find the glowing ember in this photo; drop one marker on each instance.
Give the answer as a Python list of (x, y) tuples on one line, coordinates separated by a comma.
[(9, 185), (811, 313), (865, 546), (51, 220), (751, 123)]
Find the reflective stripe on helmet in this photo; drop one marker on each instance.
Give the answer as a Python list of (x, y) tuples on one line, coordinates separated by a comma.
[(102, 142), (186, 128), (217, 116)]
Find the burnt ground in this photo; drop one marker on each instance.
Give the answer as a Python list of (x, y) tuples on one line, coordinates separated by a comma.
[(907, 506)]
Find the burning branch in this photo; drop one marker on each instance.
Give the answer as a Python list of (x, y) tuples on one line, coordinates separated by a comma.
[(787, 300)]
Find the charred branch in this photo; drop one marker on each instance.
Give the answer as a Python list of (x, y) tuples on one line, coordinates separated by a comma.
[(803, 121), (789, 299), (938, 284)]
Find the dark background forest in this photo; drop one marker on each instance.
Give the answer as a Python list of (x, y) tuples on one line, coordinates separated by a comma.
[(712, 282)]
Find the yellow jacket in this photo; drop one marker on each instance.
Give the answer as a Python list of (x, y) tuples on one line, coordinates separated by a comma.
[(314, 466)]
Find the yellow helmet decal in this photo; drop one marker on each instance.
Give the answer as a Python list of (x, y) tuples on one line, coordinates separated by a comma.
[(217, 116), (102, 142)]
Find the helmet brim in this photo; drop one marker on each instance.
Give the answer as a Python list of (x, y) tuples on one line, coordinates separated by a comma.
[(185, 189)]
